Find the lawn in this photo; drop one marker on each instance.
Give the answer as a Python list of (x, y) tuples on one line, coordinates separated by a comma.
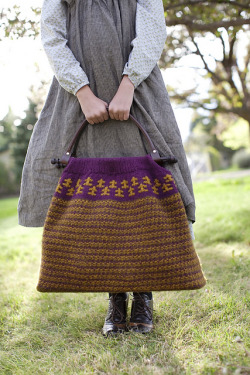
[(196, 332)]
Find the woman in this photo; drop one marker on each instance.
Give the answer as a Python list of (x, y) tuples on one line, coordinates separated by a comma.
[(104, 56)]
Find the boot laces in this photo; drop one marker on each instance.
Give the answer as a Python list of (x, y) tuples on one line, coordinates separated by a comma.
[(141, 307), (115, 311)]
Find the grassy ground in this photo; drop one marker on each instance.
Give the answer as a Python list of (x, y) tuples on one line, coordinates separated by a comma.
[(197, 332)]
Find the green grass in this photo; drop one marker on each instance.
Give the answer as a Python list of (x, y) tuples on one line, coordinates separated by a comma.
[(223, 211), (196, 332), (233, 168), (8, 208)]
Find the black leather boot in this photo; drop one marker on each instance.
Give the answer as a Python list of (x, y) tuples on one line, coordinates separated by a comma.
[(115, 321), (141, 319)]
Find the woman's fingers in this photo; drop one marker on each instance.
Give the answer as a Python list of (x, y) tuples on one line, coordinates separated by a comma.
[(97, 110), (94, 109), (98, 114), (120, 105), (126, 115), (116, 116), (106, 115), (111, 115), (119, 115)]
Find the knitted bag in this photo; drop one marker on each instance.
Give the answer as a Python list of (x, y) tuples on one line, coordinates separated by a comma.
[(117, 225)]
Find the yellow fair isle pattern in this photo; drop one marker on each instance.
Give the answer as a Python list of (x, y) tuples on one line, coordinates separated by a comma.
[(118, 246), (132, 186)]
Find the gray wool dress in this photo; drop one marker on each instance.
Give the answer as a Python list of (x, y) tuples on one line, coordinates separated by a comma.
[(102, 52)]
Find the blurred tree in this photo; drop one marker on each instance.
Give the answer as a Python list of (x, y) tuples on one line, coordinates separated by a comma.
[(205, 139), (6, 183), (17, 22), (7, 178), (21, 137), (236, 136), (6, 130), (225, 23), (15, 133)]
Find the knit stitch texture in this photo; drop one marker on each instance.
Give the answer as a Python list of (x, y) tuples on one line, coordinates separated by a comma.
[(116, 225)]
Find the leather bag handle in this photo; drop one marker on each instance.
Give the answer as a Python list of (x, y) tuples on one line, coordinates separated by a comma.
[(71, 151)]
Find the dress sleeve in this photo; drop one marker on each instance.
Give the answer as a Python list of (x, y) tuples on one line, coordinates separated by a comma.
[(66, 68), (149, 41)]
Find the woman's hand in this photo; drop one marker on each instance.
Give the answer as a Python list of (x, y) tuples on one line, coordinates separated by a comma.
[(94, 109), (119, 107)]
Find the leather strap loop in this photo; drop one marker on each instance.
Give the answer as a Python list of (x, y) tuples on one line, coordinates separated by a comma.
[(71, 151)]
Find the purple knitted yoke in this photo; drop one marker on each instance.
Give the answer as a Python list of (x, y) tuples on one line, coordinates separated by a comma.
[(121, 179)]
